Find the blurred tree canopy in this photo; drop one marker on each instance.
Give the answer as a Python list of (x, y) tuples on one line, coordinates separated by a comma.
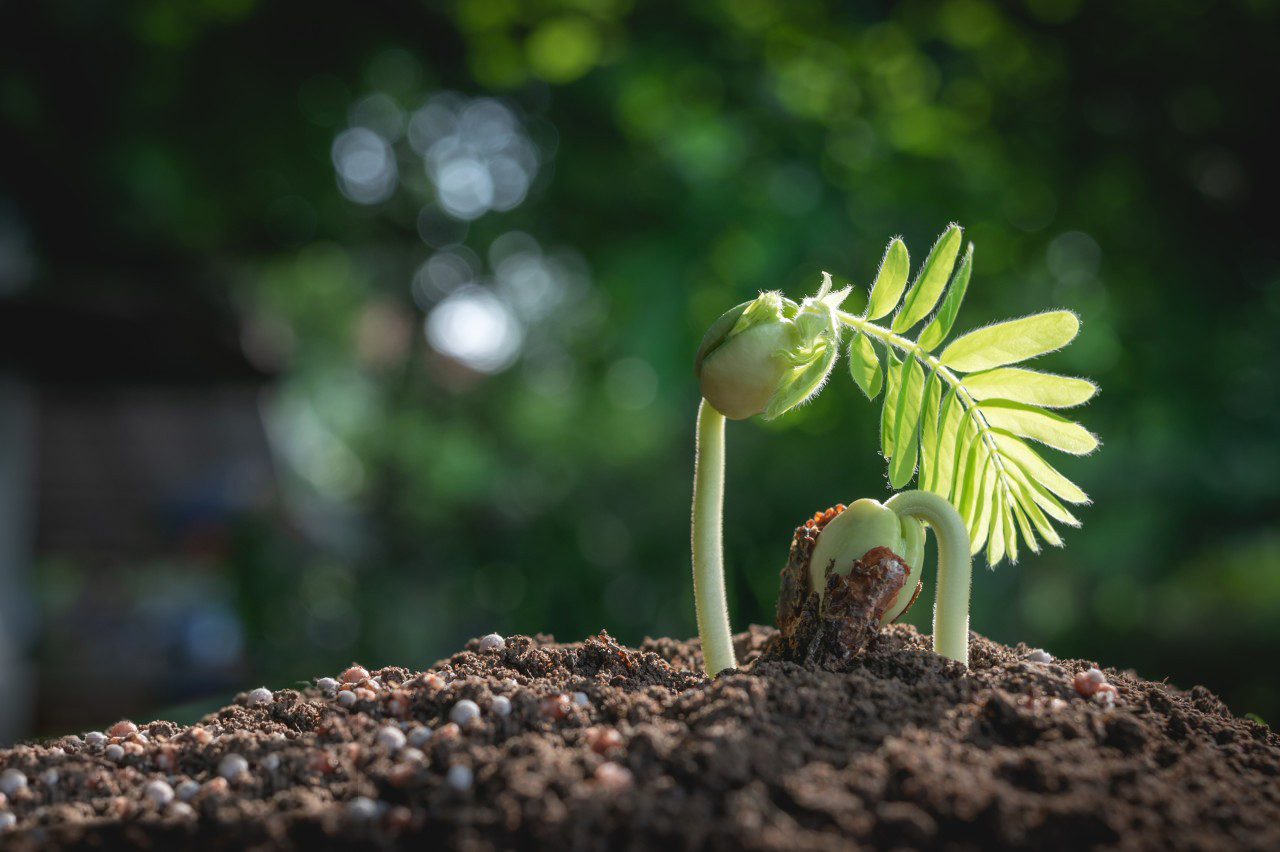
[(478, 241)]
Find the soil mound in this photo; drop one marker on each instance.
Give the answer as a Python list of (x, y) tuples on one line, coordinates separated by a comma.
[(595, 746)]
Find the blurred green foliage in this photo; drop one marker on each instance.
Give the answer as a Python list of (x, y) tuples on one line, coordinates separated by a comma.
[(1109, 158)]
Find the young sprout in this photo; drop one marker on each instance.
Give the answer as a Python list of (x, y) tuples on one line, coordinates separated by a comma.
[(958, 415), (896, 525), (762, 357)]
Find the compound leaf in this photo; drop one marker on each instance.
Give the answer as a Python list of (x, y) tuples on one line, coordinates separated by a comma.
[(965, 414)]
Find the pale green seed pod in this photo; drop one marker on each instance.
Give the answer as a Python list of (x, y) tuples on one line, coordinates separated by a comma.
[(745, 357), (867, 524)]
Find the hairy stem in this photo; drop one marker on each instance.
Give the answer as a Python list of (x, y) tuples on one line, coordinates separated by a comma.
[(951, 605), (708, 549)]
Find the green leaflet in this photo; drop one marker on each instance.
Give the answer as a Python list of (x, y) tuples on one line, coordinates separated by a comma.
[(969, 475), (995, 534), (890, 280), (906, 420), (864, 366), (1037, 470), (984, 485), (951, 424), (933, 276), (1011, 341), (1027, 421), (929, 431), (1033, 511), (1010, 533), (1011, 528), (887, 413), (1045, 501), (1017, 384), (1024, 526), (940, 326)]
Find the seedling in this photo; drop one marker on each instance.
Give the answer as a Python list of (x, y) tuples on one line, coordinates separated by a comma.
[(958, 415)]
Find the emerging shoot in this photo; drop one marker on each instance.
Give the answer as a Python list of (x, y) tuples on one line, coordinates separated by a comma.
[(762, 357)]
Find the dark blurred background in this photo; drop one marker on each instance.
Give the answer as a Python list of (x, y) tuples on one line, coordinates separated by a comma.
[(336, 332)]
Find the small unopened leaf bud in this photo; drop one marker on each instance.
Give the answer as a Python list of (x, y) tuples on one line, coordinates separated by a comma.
[(492, 642), (769, 355), (261, 695)]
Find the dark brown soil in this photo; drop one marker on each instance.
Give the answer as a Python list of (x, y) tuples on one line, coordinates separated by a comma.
[(898, 748)]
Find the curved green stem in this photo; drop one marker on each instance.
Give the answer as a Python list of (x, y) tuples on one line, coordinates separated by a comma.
[(955, 569), (708, 549)]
